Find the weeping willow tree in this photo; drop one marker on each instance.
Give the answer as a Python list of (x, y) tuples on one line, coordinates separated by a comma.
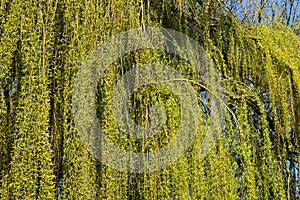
[(42, 156)]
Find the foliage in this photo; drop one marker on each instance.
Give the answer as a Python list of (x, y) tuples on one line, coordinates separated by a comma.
[(43, 43)]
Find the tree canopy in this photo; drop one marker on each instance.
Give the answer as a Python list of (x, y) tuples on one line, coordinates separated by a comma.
[(42, 46)]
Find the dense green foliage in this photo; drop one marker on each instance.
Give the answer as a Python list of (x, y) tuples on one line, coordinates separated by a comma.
[(42, 45)]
